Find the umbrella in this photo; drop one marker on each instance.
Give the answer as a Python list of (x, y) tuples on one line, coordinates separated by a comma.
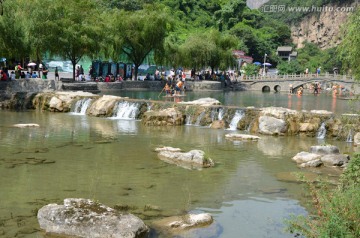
[(257, 63), (267, 64), (31, 64)]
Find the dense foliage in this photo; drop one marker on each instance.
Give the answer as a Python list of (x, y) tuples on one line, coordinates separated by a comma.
[(109, 28), (338, 210), (192, 33), (349, 50)]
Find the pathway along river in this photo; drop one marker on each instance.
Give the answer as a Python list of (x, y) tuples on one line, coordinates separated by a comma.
[(250, 191)]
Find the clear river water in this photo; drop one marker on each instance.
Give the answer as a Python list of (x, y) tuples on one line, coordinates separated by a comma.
[(250, 192)]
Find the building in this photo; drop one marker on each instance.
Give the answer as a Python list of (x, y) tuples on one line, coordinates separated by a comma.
[(286, 53), (241, 58)]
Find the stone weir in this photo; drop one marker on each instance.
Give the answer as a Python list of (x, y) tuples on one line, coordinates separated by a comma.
[(205, 112)]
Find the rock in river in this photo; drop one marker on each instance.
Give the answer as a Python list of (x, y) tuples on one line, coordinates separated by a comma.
[(86, 218)]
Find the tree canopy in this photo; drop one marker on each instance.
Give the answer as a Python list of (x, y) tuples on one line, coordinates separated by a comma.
[(349, 50), (200, 33)]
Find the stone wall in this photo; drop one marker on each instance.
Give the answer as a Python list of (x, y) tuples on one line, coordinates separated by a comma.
[(39, 85)]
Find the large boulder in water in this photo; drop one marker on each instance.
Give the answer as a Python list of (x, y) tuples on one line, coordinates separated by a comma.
[(85, 218), (104, 106), (166, 117), (328, 155), (278, 112), (194, 159), (272, 126)]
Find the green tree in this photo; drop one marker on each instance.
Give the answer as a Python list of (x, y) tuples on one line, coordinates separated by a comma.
[(140, 32), (349, 49), (71, 30), (290, 67), (12, 41), (230, 14)]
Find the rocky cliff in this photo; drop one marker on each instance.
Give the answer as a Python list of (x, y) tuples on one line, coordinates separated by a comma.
[(255, 3), (323, 26)]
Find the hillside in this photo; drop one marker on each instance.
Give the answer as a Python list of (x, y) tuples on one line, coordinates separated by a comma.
[(318, 22)]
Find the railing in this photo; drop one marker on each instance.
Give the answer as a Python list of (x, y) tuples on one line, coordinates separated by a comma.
[(297, 76)]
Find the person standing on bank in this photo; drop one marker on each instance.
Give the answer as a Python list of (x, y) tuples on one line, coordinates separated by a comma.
[(57, 73), (40, 69)]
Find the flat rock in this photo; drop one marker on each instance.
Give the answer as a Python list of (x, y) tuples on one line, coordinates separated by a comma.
[(203, 102), (245, 137), (321, 112), (26, 125), (170, 149)]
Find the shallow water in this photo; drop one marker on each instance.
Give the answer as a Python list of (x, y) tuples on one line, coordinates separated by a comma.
[(322, 101), (249, 192)]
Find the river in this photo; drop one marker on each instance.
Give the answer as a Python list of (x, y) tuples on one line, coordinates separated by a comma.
[(250, 192)]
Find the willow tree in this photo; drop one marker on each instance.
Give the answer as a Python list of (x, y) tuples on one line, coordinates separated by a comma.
[(349, 49), (71, 29), (196, 51), (12, 38), (209, 49), (137, 33)]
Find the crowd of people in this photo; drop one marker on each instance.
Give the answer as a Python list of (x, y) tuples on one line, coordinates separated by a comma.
[(20, 73)]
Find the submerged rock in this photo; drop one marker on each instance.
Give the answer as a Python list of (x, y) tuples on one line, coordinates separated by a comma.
[(82, 217), (189, 160)]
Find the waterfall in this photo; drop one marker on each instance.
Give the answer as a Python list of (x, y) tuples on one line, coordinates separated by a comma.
[(221, 114), (200, 117), (239, 114), (218, 112), (349, 138), (213, 114), (81, 106), (188, 120), (321, 132), (149, 106), (126, 110)]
